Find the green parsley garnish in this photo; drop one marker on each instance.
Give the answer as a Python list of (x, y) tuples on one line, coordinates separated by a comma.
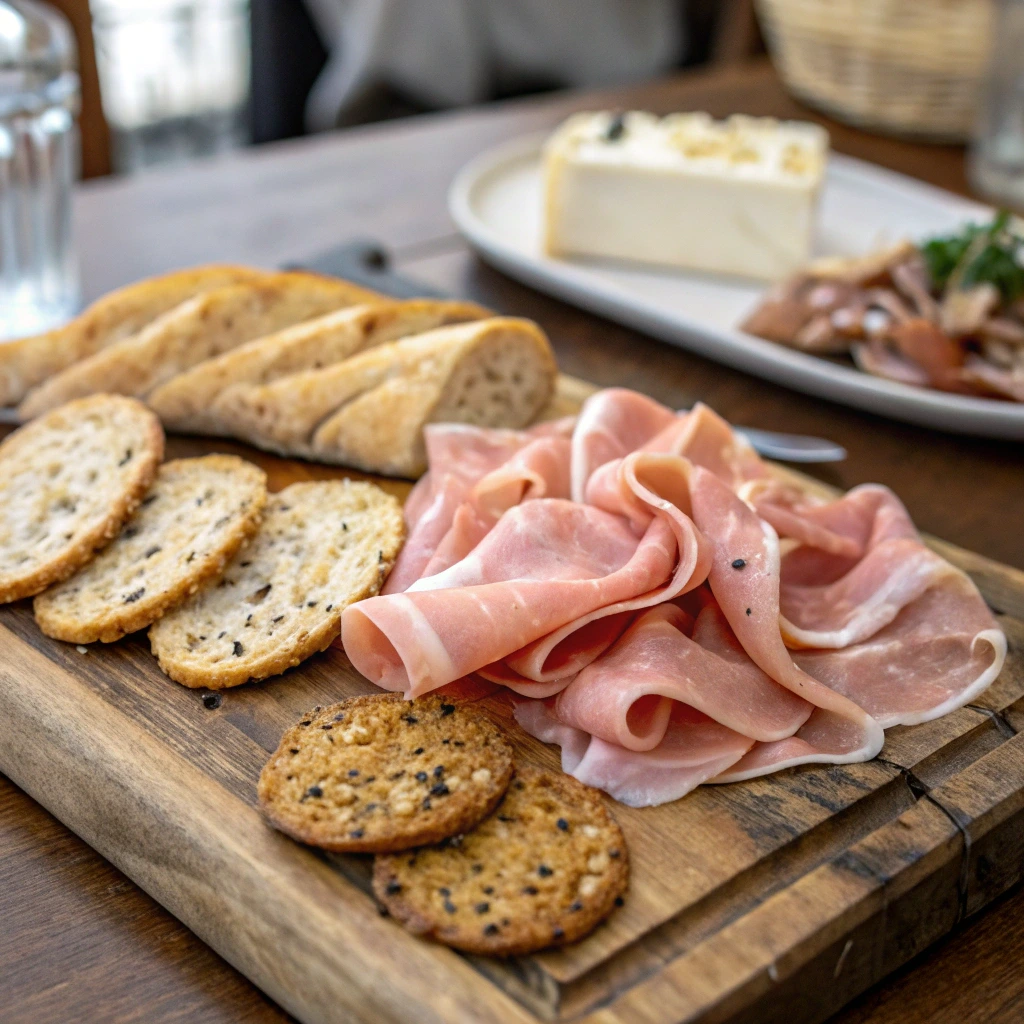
[(981, 253)]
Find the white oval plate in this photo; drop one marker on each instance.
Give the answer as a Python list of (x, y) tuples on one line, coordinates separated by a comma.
[(496, 203)]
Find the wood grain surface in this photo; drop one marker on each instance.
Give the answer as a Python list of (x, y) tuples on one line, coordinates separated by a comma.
[(88, 945), (743, 898)]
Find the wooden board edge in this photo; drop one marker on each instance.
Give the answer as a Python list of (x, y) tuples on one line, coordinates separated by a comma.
[(139, 810), (839, 918), (986, 800), (960, 841)]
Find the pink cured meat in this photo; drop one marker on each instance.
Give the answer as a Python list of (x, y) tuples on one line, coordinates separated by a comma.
[(461, 457), (941, 651), (744, 577), (631, 586), (546, 565), (709, 442), (830, 600), (695, 750), (613, 423), (665, 658), (747, 594)]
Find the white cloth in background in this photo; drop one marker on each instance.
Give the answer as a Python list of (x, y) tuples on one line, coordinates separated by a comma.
[(452, 52)]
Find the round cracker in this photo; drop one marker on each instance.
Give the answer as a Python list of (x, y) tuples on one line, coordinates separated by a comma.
[(68, 482), (196, 516), (543, 870), (379, 773)]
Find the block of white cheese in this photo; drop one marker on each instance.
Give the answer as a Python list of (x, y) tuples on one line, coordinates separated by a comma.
[(727, 197)]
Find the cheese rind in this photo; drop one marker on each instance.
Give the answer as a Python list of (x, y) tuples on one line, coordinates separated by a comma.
[(732, 197)]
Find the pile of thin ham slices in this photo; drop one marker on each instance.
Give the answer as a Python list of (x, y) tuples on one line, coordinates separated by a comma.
[(666, 610)]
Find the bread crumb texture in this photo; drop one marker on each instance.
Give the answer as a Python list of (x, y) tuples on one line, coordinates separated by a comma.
[(68, 483), (321, 547)]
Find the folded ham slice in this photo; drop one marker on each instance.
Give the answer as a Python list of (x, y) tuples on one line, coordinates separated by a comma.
[(462, 458), (695, 749), (666, 658), (668, 612)]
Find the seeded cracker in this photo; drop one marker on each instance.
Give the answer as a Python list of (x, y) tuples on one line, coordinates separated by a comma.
[(196, 516), (321, 546), (379, 773), (543, 870), (68, 482)]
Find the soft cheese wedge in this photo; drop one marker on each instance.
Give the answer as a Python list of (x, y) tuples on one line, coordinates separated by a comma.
[(731, 197)]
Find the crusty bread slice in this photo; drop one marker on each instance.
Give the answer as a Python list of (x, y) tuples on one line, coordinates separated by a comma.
[(196, 516), (29, 361), (199, 329), (369, 411), (189, 402), (321, 547), (68, 482)]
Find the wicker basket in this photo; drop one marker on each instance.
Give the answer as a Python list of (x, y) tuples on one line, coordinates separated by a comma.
[(908, 67)]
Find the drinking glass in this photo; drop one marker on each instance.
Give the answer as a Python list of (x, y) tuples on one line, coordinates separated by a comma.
[(996, 162), (39, 156)]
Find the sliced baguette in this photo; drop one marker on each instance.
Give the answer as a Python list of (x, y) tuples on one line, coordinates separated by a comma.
[(369, 411), (68, 483), (29, 361), (190, 402), (196, 516), (321, 547), (198, 329)]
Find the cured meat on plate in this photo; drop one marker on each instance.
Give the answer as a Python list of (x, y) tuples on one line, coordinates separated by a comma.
[(664, 609)]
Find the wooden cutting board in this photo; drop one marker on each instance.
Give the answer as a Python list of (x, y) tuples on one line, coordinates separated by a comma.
[(774, 900)]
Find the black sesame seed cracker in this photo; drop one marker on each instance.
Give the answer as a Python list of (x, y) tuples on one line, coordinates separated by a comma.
[(470, 894), (375, 793)]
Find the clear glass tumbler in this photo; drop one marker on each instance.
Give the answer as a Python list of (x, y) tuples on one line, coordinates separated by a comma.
[(39, 157), (996, 162)]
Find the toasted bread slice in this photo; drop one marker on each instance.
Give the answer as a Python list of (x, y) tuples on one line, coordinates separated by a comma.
[(68, 483), (321, 547), (196, 516), (29, 361), (369, 411), (190, 401), (199, 329)]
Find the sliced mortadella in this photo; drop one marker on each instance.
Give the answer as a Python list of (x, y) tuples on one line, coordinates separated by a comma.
[(744, 578), (864, 600), (651, 493), (540, 469), (695, 749), (627, 696)]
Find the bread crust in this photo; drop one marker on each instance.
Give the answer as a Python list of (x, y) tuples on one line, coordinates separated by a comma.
[(27, 362), (200, 328), (191, 401), (370, 410)]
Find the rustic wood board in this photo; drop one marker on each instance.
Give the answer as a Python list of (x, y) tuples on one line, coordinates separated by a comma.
[(777, 899)]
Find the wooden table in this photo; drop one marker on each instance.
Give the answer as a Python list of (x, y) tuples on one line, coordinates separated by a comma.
[(78, 941)]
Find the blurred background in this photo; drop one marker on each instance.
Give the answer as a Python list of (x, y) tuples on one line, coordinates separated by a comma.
[(154, 83), (164, 81)]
